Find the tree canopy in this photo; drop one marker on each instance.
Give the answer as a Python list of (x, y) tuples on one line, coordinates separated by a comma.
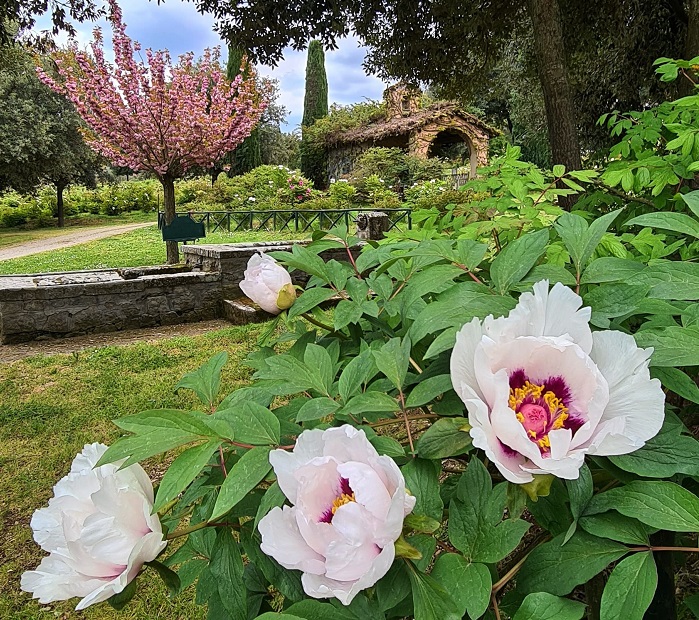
[(162, 118), (20, 15), (462, 47), (314, 160), (40, 139)]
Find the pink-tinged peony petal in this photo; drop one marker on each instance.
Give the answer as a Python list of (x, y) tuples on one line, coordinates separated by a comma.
[(53, 580), (350, 504), (634, 397), (147, 548), (463, 358), (347, 443), (97, 541), (317, 534), (264, 278), (352, 554), (282, 540), (508, 462), (320, 586), (308, 446), (543, 313), (261, 295), (369, 490), (319, 486)]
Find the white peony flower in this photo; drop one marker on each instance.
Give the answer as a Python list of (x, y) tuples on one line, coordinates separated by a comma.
[(542, 390), (98, 531), (268, 284), (348, 506)]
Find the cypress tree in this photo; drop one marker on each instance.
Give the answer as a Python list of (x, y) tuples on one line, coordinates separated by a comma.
[(247, 155), (314, 159)]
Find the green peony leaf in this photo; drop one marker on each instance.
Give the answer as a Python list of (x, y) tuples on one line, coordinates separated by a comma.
[(242, 478), (664, 505), (630, 588), (544, 606)]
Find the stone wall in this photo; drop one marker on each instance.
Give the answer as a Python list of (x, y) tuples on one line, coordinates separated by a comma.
[(75, 303), (71, 304), (230, 261)]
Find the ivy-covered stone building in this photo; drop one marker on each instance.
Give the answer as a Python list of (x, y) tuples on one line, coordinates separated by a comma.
[(442, 129)]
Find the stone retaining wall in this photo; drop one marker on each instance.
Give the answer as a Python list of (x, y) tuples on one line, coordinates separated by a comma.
[(76, 303), (34, 307)]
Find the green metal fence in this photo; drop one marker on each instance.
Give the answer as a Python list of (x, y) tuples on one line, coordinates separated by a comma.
[(293, 220)]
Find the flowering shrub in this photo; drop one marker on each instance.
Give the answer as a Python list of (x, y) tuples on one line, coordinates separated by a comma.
[(496, 419), (456, 425)]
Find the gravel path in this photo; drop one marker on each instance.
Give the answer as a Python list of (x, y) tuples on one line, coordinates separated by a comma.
[(69, 239)]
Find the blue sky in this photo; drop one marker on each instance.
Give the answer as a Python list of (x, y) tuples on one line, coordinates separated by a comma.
[(178, 27)]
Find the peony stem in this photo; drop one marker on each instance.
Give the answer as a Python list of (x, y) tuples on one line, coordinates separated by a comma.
[(401, 397), (166, 508), (500, 584), (185, 531), (223, 461), (496, 609), (651, 548), (317, 323), (473, 276), (413, 363), (387, 421), (354, 265)]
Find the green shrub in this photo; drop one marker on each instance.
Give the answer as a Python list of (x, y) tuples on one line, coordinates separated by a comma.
[(342, 194), (20, 210)]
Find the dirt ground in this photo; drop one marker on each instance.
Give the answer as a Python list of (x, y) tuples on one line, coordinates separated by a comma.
[(69, 239), (13, 352)]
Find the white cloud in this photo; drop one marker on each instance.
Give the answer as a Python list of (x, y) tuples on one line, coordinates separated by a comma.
[(177, 26)]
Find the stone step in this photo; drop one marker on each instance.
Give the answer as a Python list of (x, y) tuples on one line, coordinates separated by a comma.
[(243, 311)]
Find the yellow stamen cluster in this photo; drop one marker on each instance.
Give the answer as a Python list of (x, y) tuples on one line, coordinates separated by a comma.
[(556, 406), (519, 394), (557, 410), (341, 501)]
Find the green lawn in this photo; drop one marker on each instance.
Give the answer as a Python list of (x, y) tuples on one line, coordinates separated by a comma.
[(51, 406), (134, 249)]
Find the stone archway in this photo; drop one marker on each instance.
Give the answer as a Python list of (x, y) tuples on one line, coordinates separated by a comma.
[(454, 146), (429, 139)]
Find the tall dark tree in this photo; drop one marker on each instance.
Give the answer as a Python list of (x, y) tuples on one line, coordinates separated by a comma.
[(314, 159), (247, 155), (457, 44), (40, 140), (20, 15)]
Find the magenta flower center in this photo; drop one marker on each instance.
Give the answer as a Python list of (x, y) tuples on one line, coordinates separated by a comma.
[(345, 495), (539, 407)]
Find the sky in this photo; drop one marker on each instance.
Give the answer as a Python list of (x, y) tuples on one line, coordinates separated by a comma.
[(178, 27)]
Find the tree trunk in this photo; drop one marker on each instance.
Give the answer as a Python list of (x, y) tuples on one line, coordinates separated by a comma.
[(173, 251), (60, 186), (545, 16), (663, 606), (691, 43)]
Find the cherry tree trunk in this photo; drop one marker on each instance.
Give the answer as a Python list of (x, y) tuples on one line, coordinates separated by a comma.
[(171, 247), (545, 16), (60, 209)]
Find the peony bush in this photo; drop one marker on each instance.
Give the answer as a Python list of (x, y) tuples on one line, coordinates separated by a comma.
[(457, 437), (487, 420)]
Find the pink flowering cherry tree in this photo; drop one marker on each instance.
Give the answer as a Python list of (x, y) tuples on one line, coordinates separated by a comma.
[(155, 116)]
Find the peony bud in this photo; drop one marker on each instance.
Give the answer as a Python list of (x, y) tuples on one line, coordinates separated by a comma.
[(268, 284)]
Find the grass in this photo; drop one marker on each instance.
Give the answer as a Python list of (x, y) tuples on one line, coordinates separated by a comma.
[(15, 236), (133, 249), (51, 406)]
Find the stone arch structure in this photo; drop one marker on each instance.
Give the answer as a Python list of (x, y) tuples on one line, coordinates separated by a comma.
[(413, 129), (428, 137)]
